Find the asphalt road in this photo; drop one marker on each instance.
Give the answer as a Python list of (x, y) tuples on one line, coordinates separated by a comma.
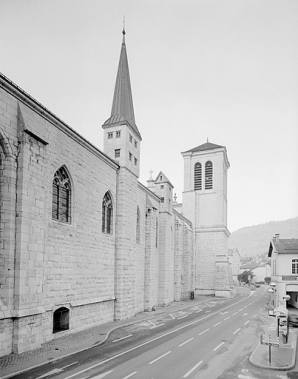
[(184, 344)]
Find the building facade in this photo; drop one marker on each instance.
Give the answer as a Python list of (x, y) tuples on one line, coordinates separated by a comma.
[(83, 242), (284, 270)]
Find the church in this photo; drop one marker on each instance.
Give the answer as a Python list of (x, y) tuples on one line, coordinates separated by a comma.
[(83, 242)]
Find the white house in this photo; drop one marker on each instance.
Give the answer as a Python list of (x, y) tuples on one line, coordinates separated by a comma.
[(284, 266)]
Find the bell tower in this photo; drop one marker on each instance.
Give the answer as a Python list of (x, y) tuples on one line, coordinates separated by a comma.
[(121, 134), (205, 204)]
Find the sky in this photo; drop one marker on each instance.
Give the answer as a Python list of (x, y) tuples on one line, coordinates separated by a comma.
[(226, 70)]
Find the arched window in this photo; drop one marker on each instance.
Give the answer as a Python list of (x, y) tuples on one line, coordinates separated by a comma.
[(61, 196), (107, 213), (138, 230), (60, 320), (208, 175), (198, 176)]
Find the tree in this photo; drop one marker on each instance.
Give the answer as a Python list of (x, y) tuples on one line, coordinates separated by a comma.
[(244, 276), (267, 280)]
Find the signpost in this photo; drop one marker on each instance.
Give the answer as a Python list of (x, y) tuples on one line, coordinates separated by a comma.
[(270, 341)]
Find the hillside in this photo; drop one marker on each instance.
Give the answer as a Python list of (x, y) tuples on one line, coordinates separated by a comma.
[(254, 240)]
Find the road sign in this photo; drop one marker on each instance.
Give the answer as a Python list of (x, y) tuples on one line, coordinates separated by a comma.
[(268, 340)]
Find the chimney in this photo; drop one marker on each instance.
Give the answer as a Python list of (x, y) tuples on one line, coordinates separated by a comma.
[(274, 239), (277, 237)]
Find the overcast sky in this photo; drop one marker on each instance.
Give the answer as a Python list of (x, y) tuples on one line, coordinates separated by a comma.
[(226, 70)]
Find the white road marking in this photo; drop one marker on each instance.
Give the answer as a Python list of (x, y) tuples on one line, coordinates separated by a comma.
[(207, 311), (190, 371), (217, 347), (185, 342), (236, 331), (200, 310), (100, 376), (204, 331), (246, 322), (123, 338), (217, 324), (55, 371), (150, 363), (157, 326), (226, 318), (172, 316), (240, 310), (244, 314), (128, 376), (151, 323), (245, 307), (179, 318), (234, 313), (147, 342), (255, 315), (261, 309)]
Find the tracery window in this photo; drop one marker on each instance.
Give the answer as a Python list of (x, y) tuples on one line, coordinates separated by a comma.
[(208, 175), (138, 229), (198, 176), (107, 213), (61, 196), (294, 266)]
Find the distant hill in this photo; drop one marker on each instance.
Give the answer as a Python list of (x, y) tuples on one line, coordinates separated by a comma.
[(254, 240)]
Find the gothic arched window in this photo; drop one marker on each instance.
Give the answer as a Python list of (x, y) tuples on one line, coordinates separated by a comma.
[(208, 175), (107, 213), (61, 196), (138, 230), (198, 176)]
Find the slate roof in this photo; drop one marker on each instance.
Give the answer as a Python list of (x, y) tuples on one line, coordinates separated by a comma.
[(122, 108), (203, 147), (284, 246)]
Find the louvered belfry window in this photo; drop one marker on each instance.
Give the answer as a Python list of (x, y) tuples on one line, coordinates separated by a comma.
[(208, 175), (198, 176), (61, 196), (107, 213)]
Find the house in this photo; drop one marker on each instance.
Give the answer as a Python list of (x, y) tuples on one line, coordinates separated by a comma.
[(284, 266)]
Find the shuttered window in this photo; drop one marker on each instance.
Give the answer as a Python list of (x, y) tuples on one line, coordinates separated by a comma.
[(61, 196), (208, 175), (107, 214), (198, 176)]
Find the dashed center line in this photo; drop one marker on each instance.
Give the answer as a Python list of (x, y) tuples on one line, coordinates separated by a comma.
[(190, 371), (226, 318), (207, 311), (150, 363), (217, 347), (185, 342), (217, 324), (246, 322), (234, 313), (204, 331), (128, 376), (236, 331), (179, 318)]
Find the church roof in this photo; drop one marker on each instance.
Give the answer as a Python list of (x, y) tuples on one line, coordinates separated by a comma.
[(122, 108), (161, 178), (205, 146)]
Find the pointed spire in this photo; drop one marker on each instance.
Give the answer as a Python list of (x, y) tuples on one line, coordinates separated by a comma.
[(122, 108)]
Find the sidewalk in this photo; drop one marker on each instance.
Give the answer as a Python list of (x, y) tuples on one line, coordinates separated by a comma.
[(282, 357), (49, 352)]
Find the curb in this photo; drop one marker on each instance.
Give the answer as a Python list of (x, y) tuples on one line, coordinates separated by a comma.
[(285, 368), (89, 347)]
